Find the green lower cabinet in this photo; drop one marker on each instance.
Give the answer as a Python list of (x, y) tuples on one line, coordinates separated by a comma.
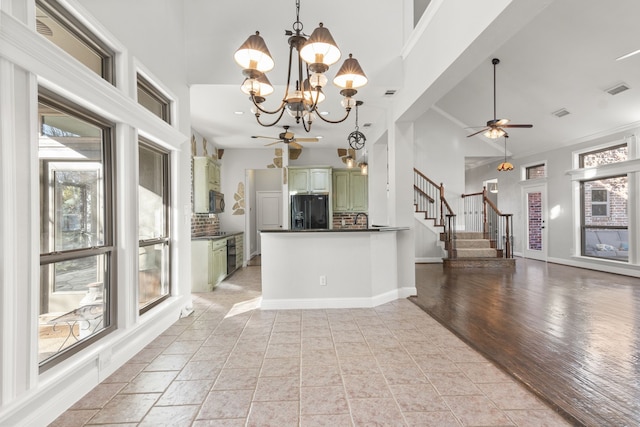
[(218, 261), (350, 191)]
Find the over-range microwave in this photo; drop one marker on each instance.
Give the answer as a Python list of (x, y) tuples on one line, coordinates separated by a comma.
[(216, 202)]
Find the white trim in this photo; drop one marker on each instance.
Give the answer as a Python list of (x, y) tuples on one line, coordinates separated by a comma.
[(604, 171), (57, 71), (575, 155), (420, 27), (323, 303)]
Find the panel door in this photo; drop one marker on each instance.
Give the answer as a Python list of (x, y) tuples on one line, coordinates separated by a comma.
[(268, 212)]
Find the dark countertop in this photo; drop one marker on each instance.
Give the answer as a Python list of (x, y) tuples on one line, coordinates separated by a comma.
[(217, 236), (339, 230)]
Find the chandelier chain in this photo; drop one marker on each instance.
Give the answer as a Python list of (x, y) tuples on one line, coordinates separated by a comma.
[(297, 26)]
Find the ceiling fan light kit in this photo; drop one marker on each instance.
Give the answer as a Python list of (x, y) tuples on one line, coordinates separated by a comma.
[(495, 128), (314, 54)]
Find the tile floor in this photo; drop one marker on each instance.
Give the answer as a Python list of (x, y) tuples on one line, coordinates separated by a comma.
[(229, 364)]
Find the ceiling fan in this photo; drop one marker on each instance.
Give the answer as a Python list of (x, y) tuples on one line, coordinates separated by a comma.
[(495, 128), (288, 138)]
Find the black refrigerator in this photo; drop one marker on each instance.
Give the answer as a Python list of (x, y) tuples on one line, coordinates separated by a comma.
[(309, 211)]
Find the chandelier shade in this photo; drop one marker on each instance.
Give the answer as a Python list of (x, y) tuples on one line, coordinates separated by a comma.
[(309, 58), (261, 86), (350, 75), (320, 48), (312, 95), (505, 166), (254, 55)]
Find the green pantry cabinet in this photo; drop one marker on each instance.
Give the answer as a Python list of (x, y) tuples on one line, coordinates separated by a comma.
[(350, 191)]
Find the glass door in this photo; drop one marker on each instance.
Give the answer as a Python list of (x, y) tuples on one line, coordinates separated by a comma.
[(535, 236)]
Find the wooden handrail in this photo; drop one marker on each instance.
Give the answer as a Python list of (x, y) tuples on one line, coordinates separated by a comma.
[(481, 193), (429, 198), (426, 178)]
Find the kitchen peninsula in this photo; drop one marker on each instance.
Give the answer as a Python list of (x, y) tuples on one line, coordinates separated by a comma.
[(330, 268)]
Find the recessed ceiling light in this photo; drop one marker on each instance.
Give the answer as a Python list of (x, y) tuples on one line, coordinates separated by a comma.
[(238, 113), (635, 52), (324, 113)]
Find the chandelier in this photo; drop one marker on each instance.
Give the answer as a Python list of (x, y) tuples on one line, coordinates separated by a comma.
[(314, 54)]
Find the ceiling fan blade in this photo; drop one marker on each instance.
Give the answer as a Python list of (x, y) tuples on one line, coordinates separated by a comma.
[(287, 135), (294, 153), (306, 140), (517, 126), (480, 131), (501, 122), (342, 152), (295, 145), (264, 137), (274, 143)]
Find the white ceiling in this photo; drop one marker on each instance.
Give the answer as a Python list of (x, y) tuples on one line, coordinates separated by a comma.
[(564, 58)]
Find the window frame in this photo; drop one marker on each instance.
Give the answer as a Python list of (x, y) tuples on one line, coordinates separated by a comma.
[(108, 248), (601, 149), (599, 203), (166, 239), (582, 220), (528, 169), (70, 23), (144, 84)]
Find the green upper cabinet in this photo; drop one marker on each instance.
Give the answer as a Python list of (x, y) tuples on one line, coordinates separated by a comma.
[(314, 180), (298, 180), (350, 191)]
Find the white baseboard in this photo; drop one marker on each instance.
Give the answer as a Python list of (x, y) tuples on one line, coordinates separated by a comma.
[(323, 303), (605, 266), (428, 260)]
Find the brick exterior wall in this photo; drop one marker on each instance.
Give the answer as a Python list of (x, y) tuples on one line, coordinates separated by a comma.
[(617, 193)]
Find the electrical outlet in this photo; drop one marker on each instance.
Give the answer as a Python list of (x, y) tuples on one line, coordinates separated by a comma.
[(343, 222), (323, 280)]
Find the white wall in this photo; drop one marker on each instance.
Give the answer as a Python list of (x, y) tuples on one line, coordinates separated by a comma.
[(563, 239)]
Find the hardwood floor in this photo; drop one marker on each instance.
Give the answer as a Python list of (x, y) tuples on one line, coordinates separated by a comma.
[(571, 335)]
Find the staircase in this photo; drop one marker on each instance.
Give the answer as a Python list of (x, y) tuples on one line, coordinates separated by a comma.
[(472, 250), (487, 245)]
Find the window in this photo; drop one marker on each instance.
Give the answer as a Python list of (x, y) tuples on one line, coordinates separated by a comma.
[(605, 220), (62, 29), (599, 202), (76, 228), (615, 154), (153, 100), (535, 172), (153, 218)]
